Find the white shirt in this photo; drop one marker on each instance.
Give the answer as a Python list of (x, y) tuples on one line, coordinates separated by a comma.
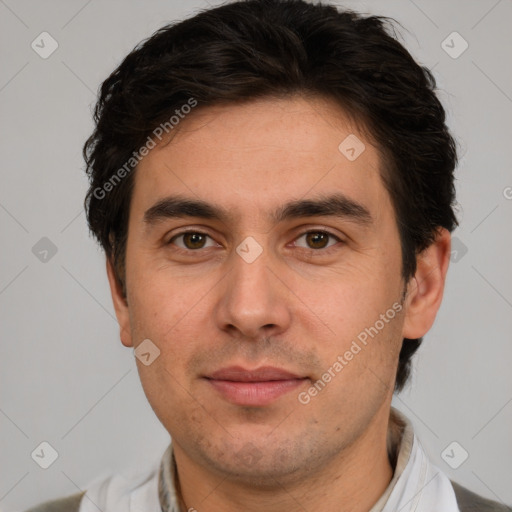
[(417, 485)]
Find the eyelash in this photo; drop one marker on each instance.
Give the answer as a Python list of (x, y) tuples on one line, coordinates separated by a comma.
[(315, 231)]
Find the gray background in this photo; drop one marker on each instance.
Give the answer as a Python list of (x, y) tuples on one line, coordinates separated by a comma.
[(66, 378)]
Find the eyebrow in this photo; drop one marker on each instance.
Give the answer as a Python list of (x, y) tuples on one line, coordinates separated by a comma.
[(336, 205)]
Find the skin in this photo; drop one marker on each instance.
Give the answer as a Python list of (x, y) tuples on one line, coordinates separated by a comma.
[(297, 307)]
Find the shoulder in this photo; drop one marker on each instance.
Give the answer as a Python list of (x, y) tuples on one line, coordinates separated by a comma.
[(69, 503), (468, 501)]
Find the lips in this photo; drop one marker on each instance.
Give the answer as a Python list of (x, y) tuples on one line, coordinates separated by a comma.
[(258, 387), (263, 374)]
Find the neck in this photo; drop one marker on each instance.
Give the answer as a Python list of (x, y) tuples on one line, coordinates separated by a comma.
[(353, 479)]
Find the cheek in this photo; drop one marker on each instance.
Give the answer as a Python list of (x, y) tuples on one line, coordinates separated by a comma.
[(349, 298), (172, 321), (361, 308), (159, 300), (174, 314)]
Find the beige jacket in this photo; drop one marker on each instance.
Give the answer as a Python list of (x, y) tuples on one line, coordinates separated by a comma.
[(466, 500)]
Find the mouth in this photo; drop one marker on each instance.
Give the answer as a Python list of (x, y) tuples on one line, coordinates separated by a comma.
[(258, 387)]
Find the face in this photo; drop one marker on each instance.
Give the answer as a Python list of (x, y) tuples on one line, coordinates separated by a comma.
[(259, 305)]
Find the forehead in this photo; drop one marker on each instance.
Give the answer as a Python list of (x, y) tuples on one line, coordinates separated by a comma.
[(253, 157)]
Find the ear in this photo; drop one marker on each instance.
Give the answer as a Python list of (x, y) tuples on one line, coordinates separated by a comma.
[(120, 306), (425, 289)]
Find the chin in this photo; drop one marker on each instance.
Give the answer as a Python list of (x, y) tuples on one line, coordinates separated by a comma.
[(261, 463)]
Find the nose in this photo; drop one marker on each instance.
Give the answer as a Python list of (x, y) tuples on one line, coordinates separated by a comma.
[(253, 301)]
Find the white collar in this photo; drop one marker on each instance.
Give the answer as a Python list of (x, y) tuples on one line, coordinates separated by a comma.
[(417, 485)]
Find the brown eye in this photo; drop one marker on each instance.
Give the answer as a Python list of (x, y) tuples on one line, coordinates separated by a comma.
[(191, 240), (318, 239)]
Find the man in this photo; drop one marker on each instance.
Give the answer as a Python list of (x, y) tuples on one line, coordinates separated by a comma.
[(272, 182)]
